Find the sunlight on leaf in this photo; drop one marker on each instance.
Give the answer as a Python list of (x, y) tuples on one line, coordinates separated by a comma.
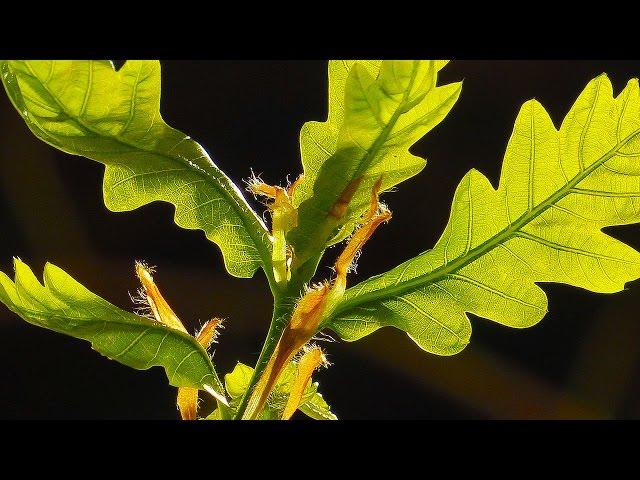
[(312, 403), (65, 306), (86, 107), (558, 189), (377, 111)]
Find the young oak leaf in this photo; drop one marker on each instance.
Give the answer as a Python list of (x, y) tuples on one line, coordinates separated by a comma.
[(311, 402), (557, 191), (284, 217), (377, 111), (87, 108), (63, 305)]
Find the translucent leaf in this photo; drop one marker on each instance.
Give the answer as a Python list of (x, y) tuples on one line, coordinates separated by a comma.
[(377, 111), (312, 404), (65, 306), (558, 190), (87, 108)]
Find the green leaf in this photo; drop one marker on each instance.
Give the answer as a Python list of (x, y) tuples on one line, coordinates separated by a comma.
[(377, 111), (236, 382), (215, 415), (65, 306), (87, 108), (315, 406), (312, 404), (558, 189)]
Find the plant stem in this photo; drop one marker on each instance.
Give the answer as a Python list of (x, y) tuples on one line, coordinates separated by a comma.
[(283, 306), (282, 310)]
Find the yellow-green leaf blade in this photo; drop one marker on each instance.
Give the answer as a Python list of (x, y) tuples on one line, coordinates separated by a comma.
[(312, 404), (558, 190), (377, 111), (87, 108), (63, 305)]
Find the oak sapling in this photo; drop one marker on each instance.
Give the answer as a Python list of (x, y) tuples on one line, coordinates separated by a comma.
[(543, 223)]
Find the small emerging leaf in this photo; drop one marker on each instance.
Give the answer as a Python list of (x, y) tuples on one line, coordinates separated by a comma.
[(311, 404)]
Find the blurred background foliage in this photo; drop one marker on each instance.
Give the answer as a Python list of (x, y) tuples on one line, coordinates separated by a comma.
[(581, 361)]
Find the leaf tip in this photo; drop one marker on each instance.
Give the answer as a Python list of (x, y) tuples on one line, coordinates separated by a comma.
[(50, 268), (16, 261), (20, 267), (632, 84), (531, 104), (603, 81)]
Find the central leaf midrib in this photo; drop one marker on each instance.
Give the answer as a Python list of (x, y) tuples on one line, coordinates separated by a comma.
[(190, 166), (373, 151), (483, 248), (140, 322)]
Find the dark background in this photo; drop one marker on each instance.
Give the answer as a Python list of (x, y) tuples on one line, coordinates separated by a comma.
[(581, 361)]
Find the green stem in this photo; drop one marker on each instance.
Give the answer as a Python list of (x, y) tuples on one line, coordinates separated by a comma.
[(284, 304), (282, 310)]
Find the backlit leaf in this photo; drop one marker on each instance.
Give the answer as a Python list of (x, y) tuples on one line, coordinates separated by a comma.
[(86, 107), (65, 306), (558, 190), (377, 111), (312, 404)]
